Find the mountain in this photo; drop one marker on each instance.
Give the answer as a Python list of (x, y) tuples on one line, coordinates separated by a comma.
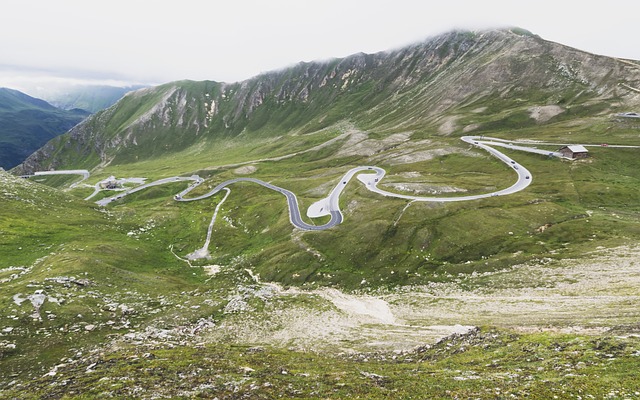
[(107, 300), (403, 110), (27, 123), (92, 98), (432, 85)]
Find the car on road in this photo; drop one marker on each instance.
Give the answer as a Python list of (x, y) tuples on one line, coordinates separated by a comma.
[(527, 177), (604, 145), (513, 162)]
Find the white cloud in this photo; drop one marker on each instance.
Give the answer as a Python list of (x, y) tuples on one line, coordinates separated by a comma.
[(234, 40)]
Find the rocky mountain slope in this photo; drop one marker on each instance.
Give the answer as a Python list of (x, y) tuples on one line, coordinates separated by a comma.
[(27, 123), (454, 83)]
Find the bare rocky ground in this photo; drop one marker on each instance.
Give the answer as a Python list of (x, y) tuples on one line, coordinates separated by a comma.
[(590, 294), (587, 296), (596, 294)]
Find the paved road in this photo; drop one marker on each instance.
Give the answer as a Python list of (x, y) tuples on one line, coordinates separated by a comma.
[(371, 176), (195, 178), (329, 206), (292, 203), (85, 174), (97, 188), (371, 180)]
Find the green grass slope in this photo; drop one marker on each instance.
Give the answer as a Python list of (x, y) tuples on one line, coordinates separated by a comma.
[(409, 122), (484, 364), (72, 274)]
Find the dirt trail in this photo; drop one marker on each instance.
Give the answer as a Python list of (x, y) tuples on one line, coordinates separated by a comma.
[(203, 252)]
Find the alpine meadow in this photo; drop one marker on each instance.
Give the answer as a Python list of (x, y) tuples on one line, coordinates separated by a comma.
[(346, 228)]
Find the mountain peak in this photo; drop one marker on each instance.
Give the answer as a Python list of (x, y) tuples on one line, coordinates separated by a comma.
[(409, 88)]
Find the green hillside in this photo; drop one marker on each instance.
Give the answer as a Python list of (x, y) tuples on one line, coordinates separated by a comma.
[(27, 123), (80, 260), (404, 110), (550, 273), (478, 82)]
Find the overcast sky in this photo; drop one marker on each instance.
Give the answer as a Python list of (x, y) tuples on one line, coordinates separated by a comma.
[(231, 40)]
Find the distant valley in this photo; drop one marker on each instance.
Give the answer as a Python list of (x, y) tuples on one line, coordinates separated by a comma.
[(27, 123), (92, 98)]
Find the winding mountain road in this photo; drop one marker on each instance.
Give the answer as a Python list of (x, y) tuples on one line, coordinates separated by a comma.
[(370, 177), (292, 203), (329, 206), (195, 178), (83, 172)]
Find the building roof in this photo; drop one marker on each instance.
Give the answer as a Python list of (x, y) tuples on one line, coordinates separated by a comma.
[(577, 148)]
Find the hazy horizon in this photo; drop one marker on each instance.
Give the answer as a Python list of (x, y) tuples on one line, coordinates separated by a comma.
[(122, 43)]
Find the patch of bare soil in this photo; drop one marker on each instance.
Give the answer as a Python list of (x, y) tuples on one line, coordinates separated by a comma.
[(245, 170), (470, 128), (545, 113), (360, 144), (336, 322), (448, 126), (587, 294), (408, 156)]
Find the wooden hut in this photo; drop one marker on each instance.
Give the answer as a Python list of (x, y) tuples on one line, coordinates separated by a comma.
[(574, 151)]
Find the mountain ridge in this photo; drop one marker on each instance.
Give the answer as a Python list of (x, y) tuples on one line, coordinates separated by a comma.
[(27, 123), (412, 87)]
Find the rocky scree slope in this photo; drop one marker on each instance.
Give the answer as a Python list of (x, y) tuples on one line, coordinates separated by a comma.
[(434, 86)]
